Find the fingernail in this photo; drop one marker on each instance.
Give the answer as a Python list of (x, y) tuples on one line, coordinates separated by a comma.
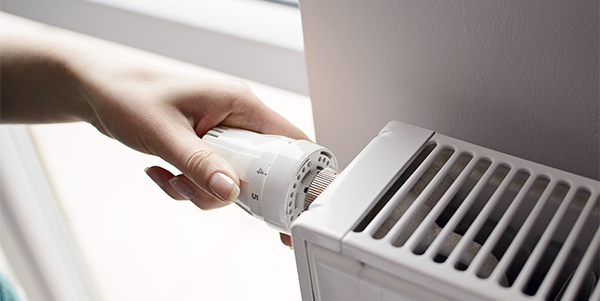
[(156, 177), (224, 187), (182, 187)]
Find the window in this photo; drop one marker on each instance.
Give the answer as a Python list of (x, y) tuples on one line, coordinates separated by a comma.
[(131, 241), (256, 40)]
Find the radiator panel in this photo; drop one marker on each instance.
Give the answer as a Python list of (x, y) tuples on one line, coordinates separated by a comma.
[(470, 222)]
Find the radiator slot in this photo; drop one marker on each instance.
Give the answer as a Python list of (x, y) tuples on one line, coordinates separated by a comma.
[(411, 196), (536, 230), (464, 224), (481, 213), (405, 175), (505, 199), (514, 222), (575, 256), (433, 198), (480, 169), (558, 237)]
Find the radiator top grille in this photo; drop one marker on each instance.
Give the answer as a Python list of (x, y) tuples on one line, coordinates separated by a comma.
[(507, 222)]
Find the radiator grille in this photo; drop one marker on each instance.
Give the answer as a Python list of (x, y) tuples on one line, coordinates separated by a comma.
[(520, 225)]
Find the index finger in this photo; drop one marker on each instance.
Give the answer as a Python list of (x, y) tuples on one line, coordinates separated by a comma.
[(249, 112)]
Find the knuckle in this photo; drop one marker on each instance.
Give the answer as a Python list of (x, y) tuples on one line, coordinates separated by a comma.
[(239, 86), (199, 160), (236, 90)]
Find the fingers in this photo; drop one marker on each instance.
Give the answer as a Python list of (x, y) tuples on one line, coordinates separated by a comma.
[(286, 239), (177, 140), (181, 188), (278, 125), (161, 177), (205, 168), (249, 112)]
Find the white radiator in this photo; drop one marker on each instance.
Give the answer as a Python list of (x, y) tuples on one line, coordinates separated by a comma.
[(421, 216)]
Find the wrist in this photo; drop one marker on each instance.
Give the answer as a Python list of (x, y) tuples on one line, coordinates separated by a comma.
[(109, 81)]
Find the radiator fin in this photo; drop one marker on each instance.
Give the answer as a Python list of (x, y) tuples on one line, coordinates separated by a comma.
[(419, 189), (405, 175), (496, 217)]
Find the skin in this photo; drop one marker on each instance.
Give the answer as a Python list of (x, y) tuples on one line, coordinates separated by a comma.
[(159, 112)]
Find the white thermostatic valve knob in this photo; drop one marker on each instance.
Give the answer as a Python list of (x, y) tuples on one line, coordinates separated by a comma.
[(275, 171)]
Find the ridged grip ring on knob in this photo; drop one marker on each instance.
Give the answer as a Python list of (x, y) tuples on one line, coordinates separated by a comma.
[(319, 184)]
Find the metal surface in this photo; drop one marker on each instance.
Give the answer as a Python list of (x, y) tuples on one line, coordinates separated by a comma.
[(322, 180)]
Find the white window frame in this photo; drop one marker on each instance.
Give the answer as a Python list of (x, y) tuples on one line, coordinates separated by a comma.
[(32, 229), (252, 39)]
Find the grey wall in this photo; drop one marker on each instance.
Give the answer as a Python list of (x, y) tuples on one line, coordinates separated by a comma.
[(517, 76)]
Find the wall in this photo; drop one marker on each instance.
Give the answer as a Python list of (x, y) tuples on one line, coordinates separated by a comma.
[(517, 76)]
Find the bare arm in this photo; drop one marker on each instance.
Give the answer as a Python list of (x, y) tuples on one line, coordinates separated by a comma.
[(37, 83), (148, 109)]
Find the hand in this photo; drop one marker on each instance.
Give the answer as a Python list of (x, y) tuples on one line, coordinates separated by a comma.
[(165, 114), (148, 109)]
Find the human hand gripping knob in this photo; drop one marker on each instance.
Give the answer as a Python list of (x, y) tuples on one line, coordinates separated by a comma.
[(169, 121), (166, 114), (149, 109)]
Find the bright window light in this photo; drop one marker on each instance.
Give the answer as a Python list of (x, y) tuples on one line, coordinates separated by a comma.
[(264, 21)]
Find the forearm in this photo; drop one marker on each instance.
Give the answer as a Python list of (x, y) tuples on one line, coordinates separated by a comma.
[(40, 81), (150, 109)]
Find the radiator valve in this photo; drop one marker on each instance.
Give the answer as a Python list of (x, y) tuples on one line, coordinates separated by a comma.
[(280, 177)]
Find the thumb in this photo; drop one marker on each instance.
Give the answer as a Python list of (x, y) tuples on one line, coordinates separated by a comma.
[(206, 170)]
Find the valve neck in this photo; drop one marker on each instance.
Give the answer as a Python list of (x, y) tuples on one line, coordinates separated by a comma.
[(319, 184)]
